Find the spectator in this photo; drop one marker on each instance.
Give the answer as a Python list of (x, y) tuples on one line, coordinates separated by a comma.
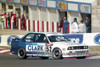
[(8, 18), (74, 26), (23, 21), (14, 23), (61, 23), (66, 25), (2, 21), (82, 27), (88, 25), (11, 14)]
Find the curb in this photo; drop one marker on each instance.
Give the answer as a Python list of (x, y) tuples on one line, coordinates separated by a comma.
[(5, 51)]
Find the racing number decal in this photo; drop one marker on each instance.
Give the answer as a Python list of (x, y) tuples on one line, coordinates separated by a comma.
[(48, 48)]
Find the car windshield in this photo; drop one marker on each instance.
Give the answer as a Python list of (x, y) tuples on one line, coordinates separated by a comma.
[(58, 38)]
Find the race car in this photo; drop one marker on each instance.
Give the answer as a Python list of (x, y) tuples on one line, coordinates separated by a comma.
[(45, 45)]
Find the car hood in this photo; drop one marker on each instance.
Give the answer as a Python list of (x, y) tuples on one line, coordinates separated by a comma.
[(68, 43)]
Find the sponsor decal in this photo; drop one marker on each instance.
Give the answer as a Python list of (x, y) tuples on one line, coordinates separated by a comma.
[(46, 54), (34, 48), (42, 3), (3, 0), (24, 1), (33, 2), (75, 38), (51, 3), (16, 1), (10, 38), (61, 5), (0, 39), (85, 8), (97, 39), (9, 0)]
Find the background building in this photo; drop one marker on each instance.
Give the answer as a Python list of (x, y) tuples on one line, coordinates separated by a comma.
[(53, 10)]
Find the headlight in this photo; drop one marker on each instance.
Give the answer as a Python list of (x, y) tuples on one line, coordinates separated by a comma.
[(85, 47), (70, 48)]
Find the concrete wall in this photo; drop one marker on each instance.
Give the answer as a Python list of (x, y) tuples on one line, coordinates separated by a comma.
[(0, 8), (95, 19)]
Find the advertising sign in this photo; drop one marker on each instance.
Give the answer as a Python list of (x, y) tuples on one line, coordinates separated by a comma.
[(10, 39), (51, 3), (97, 39), (61, 5), (33, 2), (24, 1), (42, 3), (74, 5), (16, 1), (85, 8), (76, 38), (9, 0), (3, 0)]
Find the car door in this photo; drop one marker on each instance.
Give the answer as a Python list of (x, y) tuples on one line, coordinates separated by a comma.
[(41, 41), (35, 44), (28, 43)]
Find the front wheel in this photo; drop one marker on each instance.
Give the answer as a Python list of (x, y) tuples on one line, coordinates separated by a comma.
[(81, 57), (21, 53), (57, 54)]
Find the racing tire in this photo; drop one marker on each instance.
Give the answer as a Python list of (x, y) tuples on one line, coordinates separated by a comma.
[(81, 57), (44, 57), (21, 54), (57, 54)]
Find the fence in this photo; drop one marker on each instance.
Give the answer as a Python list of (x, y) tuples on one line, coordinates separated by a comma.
[(36, 25)]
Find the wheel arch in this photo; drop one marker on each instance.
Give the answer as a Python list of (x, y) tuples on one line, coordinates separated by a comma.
[(56, 48), (60, 51)]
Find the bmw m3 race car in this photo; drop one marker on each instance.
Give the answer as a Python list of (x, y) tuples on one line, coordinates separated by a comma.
[(47, 45)]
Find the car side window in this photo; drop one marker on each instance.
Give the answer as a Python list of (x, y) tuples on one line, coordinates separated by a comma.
[(29, 38), (41, 38)]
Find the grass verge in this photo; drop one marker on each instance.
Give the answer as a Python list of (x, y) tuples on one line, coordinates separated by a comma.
[(6, 47), (94, 50)]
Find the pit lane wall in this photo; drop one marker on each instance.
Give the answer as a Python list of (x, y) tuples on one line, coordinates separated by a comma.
[(90, 39)]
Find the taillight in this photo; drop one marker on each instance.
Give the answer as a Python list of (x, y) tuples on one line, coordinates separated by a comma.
[(49, 44)]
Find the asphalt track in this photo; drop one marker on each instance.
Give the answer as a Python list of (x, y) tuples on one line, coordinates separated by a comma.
[(12, 61)]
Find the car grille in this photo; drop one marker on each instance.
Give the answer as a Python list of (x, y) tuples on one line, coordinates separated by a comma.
[(77, 47)]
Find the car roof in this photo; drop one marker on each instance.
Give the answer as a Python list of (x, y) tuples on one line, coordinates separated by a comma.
[(47, 33)]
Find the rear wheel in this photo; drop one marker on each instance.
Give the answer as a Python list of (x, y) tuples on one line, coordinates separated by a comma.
[(81, 57), (57, 54), (21, 53)]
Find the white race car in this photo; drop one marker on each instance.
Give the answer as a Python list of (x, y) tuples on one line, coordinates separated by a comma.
[(47, 45)]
